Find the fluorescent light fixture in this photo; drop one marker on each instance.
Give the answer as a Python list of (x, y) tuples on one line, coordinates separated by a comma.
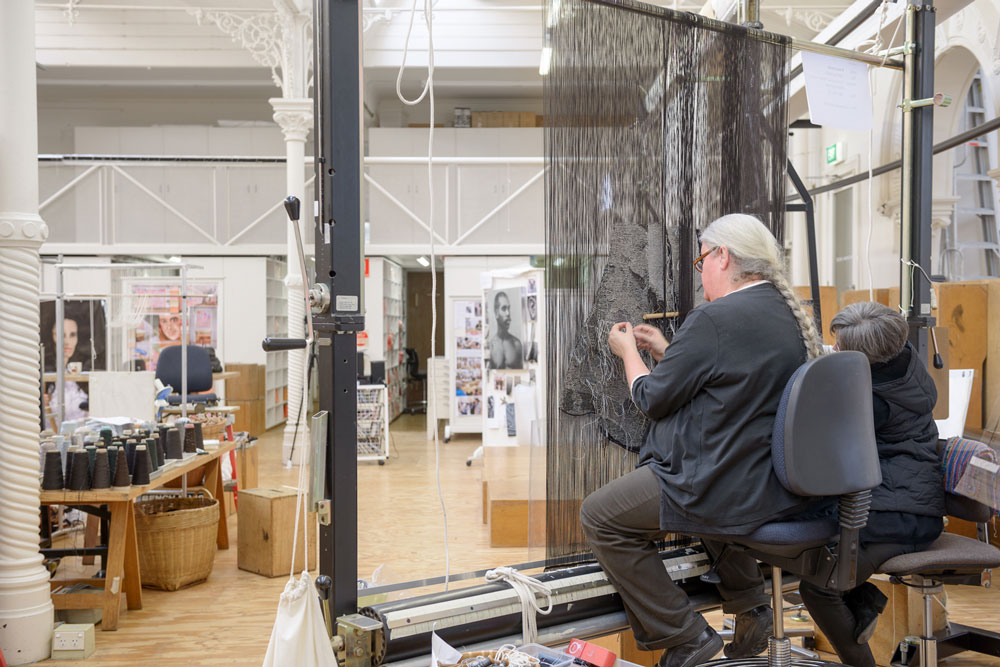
[(546, 62), (175, 259), (422, 261)]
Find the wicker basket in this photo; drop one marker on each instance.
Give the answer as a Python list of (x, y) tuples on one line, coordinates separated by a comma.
[(176, 539), (213, 426)]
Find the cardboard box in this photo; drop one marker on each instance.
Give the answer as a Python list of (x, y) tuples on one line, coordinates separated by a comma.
[(249, 386), (265, 527), (249, 417), (903, 617)]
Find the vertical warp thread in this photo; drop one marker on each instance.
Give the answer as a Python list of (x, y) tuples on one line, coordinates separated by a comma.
[(656, 123)]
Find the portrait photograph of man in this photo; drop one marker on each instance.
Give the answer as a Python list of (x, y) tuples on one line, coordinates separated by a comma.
[(505, 327)]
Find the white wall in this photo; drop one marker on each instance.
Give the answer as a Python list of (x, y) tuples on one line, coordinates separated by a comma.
[(244, 321)]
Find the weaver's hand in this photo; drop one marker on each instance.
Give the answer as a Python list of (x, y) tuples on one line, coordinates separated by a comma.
[(650, 338), (621, 339)]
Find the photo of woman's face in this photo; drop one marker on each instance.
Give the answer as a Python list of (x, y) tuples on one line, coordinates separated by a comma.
[(71, 336), (170, 327)]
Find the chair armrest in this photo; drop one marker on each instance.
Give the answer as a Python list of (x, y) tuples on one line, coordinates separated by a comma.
[(853, 510)]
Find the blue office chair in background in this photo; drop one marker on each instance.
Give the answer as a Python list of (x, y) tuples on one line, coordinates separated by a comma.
[(199, 374)]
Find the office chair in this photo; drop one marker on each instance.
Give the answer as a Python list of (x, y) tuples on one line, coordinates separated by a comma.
[(199, 374), (823, 444), (414, 374)]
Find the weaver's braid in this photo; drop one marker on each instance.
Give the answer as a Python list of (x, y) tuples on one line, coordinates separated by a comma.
[(807, 325)]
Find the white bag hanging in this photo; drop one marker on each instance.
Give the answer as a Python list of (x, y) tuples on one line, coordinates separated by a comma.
[(299, 637)]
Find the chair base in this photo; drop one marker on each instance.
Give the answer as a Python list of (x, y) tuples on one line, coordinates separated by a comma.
[(956, 639)]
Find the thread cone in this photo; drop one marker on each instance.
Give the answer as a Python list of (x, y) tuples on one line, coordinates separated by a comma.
[(91, 456), (80, 474), (106, 435), (102, 470), (140, 474), (199, 438), (189, 442), (121, 479), (154, 460), (158, 445), (52, 474), (130, 454), (174, 444)]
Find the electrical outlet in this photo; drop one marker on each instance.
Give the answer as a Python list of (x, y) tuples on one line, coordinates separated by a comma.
[(68, 641)]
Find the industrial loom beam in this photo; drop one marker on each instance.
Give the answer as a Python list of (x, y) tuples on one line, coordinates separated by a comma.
[(339, 261)]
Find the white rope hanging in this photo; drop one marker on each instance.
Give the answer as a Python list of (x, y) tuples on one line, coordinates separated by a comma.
[(526, 588)]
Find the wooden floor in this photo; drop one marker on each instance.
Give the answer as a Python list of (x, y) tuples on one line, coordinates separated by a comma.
[(228, 618)]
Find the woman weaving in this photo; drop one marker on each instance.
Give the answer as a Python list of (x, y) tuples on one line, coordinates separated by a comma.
[(705, 466)]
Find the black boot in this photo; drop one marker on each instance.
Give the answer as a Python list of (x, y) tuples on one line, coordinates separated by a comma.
[(700, 649), (866, 602), (752, 631)]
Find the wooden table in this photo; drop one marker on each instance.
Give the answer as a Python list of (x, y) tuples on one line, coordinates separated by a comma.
[(122, 564)]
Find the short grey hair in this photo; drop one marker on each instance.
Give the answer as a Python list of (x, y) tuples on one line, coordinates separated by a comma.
[(877, 331)]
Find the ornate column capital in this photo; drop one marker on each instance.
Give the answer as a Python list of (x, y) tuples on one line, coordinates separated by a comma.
[(943, 211), (294, 116), (22, 230)]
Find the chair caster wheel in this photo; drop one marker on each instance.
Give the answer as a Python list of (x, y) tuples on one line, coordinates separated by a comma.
[(468, 462), (381, 462)]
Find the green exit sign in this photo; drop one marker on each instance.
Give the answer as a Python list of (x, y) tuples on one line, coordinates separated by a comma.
[(835, 153)]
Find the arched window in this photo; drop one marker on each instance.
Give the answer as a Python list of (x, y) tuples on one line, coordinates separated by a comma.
[(971, 245)]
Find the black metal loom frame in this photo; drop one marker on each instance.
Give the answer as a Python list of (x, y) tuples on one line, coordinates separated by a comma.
[(340, 252)]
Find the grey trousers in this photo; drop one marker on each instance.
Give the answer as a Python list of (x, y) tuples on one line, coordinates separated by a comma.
[(622, 523)]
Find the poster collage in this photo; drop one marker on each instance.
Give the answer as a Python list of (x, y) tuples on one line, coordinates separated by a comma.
[(159, 325), (469, 357), (511, 345)]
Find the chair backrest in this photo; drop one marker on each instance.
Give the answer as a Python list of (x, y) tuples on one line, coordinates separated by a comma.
[(199, 368), (412, 361), (823, 442)]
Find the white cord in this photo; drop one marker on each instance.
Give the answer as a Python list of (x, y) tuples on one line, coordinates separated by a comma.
[(510, 656), (429, 92), (526, 588)]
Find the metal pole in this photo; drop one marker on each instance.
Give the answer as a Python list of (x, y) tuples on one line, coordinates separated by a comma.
[(751, 14), (826, 49), (184, 341), (777, 603), (60, 351), (928, 645), (917, 183), (339, 264)]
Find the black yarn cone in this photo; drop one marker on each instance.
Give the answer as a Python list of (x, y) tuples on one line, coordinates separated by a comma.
[(130, 454), (140, 474), (121, 479), (68, 466), (80, 475), (112, 458), (158, 445), (91, 456), (162, 429), (189, 443), (175, 446), (154, 460), (102, 470), (199, 439), (106, 435), (52, 475)]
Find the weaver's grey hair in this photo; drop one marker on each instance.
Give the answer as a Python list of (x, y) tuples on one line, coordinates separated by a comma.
[(877, 331), (757, 256)]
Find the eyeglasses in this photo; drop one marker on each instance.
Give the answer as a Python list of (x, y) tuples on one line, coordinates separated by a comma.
[(700, 260)]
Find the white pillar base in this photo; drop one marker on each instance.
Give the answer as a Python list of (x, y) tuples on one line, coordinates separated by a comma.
[(26, 614)]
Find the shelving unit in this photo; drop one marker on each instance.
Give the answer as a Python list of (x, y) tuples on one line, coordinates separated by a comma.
[(373, 423), (394, 331), (276, 367)]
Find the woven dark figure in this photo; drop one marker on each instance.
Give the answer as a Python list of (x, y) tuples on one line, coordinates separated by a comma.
[(657, 122)]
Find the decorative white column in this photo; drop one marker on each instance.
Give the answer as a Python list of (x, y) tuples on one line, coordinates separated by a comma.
[(25, 606), (295, 117), (282, 41)]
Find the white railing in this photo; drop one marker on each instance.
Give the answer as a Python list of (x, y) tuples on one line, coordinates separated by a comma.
[(96, 204)]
